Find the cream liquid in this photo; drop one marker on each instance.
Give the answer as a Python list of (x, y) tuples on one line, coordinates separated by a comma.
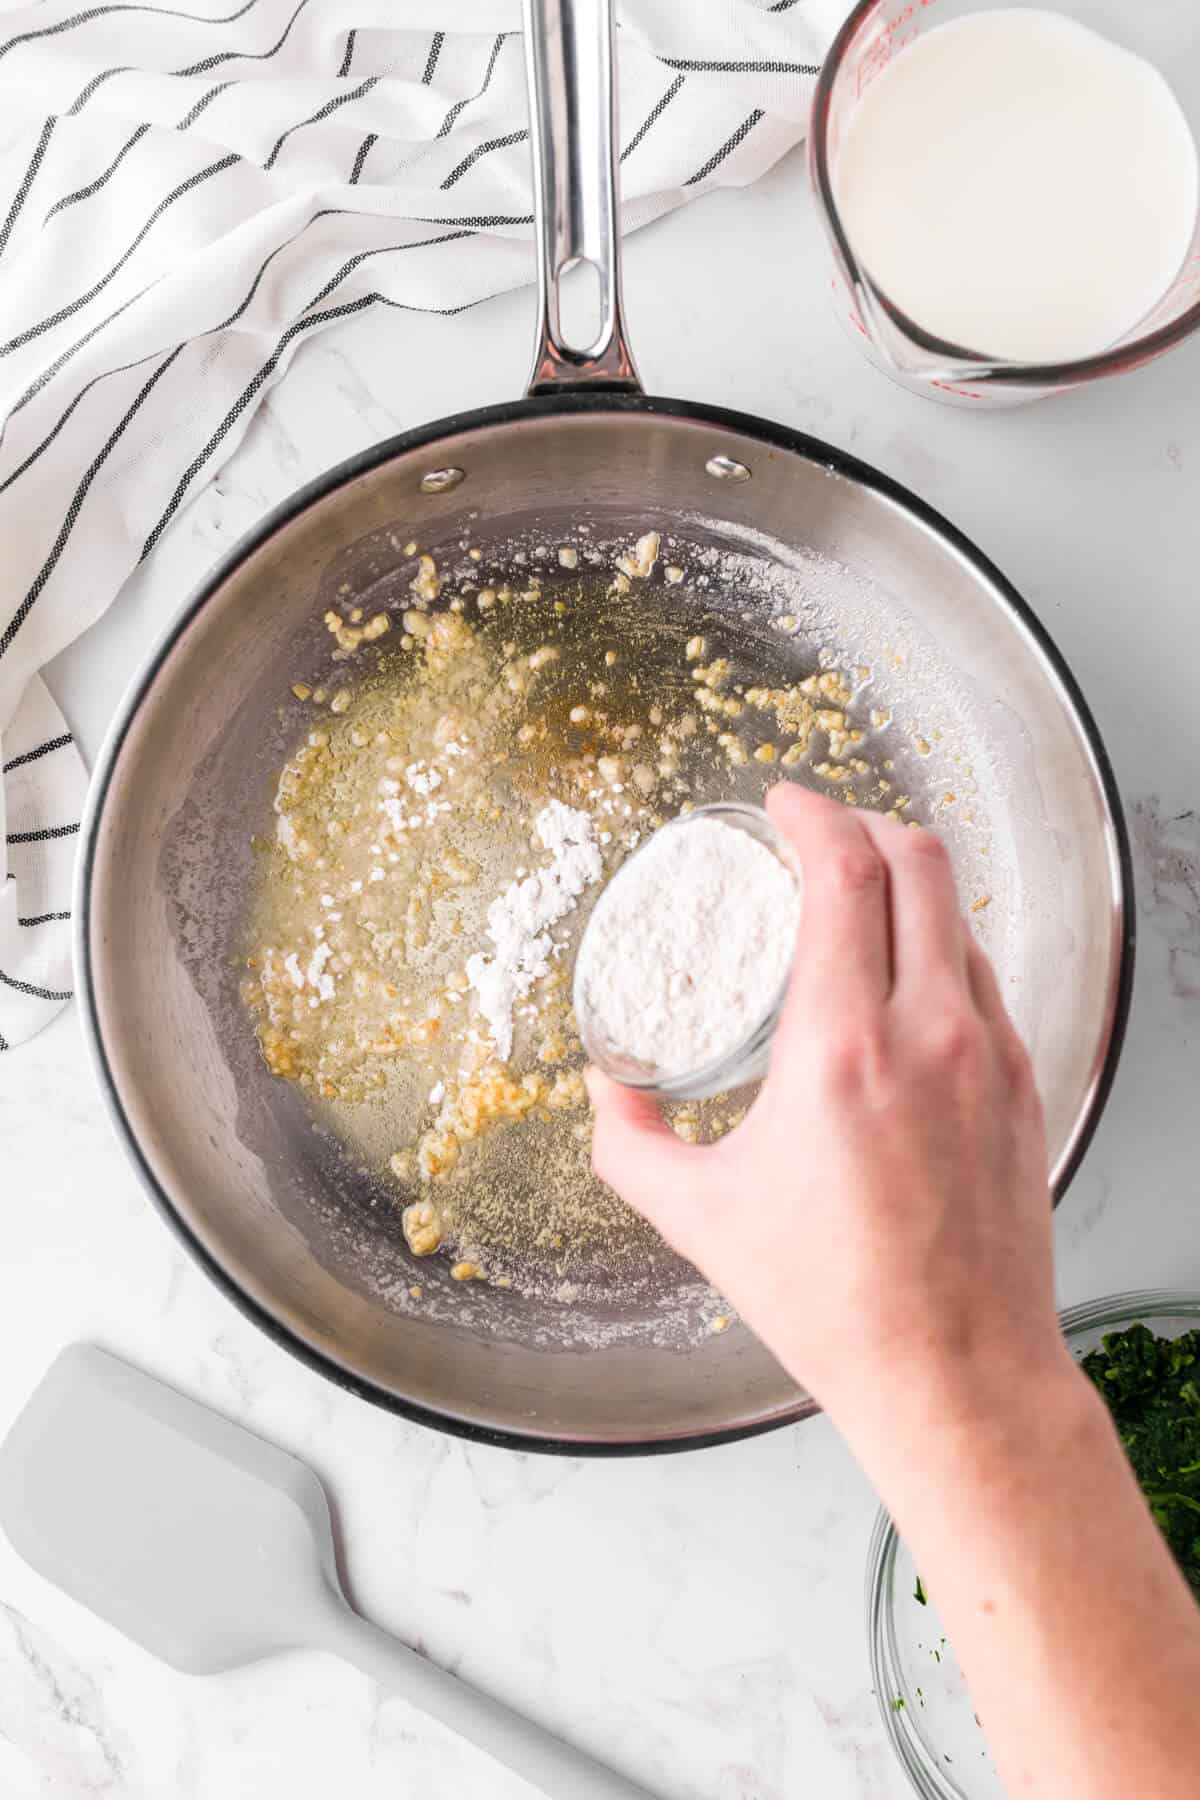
[(1019, 185)]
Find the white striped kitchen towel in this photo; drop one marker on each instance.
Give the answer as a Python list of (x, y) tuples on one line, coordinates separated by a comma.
[(187, 193)]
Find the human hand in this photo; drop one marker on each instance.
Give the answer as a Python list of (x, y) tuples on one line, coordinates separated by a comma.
[(881, 1217)]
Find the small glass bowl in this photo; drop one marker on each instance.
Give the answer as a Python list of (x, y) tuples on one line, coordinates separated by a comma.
[(746, 1061), (927, 1711)]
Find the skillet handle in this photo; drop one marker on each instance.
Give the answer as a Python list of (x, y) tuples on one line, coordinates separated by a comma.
[(572, 118)]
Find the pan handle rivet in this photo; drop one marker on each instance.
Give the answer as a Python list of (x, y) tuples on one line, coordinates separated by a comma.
[(440, 481), (724, 468)]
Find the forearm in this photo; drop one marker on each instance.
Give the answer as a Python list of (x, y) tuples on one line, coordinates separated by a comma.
[(1079, 1638)]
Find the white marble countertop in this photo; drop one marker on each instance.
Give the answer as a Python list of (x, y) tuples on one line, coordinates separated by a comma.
[(696, 1619)]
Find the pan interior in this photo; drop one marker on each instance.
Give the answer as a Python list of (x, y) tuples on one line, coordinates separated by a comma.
[(797, 569)]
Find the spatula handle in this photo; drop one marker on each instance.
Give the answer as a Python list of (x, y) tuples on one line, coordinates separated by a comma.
[(546, 1762)]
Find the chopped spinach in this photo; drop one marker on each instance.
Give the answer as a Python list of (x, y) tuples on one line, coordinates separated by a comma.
[(919, 1593), (1151, 1386)]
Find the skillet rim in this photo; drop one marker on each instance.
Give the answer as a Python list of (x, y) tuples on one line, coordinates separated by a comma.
[(442, 432)]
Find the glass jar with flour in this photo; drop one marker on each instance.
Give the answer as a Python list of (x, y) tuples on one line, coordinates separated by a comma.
[(683, 968)]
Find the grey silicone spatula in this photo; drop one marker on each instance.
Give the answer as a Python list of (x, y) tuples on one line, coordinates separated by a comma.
[(212, 1548)]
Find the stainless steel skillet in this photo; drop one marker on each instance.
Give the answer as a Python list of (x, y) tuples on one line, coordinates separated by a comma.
[(985, 728)]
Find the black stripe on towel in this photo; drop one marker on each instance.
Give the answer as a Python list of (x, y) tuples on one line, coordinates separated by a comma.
[(473, 156), (44, 918), (458, 106), (39, 750), (44, 834), (690, 66), (477, 222), (652, 117), (93, 187), (85, 93), (189, 118), (227, 56), (322, 112), (431, 61), (22, 193), (731, 143), (29, 987), (364, 150)]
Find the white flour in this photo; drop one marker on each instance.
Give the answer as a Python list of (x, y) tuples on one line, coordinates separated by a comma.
[(687, 947), (520, 918)]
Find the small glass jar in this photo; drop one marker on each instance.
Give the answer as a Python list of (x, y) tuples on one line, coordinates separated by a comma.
[(745, 1060)]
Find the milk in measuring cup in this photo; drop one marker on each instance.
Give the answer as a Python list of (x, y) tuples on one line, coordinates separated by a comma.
[(1019, 185)]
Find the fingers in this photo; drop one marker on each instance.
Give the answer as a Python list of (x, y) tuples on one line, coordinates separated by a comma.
[(881, 926), (989, 1002), (635, 1151), (985, 989), (844, 953), (928, 942)]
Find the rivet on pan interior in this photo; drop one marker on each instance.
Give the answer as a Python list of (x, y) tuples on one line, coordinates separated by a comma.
[(723, 468), (440, 481)]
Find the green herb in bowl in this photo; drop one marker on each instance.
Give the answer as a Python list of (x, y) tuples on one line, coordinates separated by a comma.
[(1151, 1385)]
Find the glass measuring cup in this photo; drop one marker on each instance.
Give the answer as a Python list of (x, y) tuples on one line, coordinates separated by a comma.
[(875, 32), (745, 1058)]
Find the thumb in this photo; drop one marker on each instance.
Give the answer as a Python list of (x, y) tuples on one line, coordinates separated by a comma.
[(636, 1153)]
